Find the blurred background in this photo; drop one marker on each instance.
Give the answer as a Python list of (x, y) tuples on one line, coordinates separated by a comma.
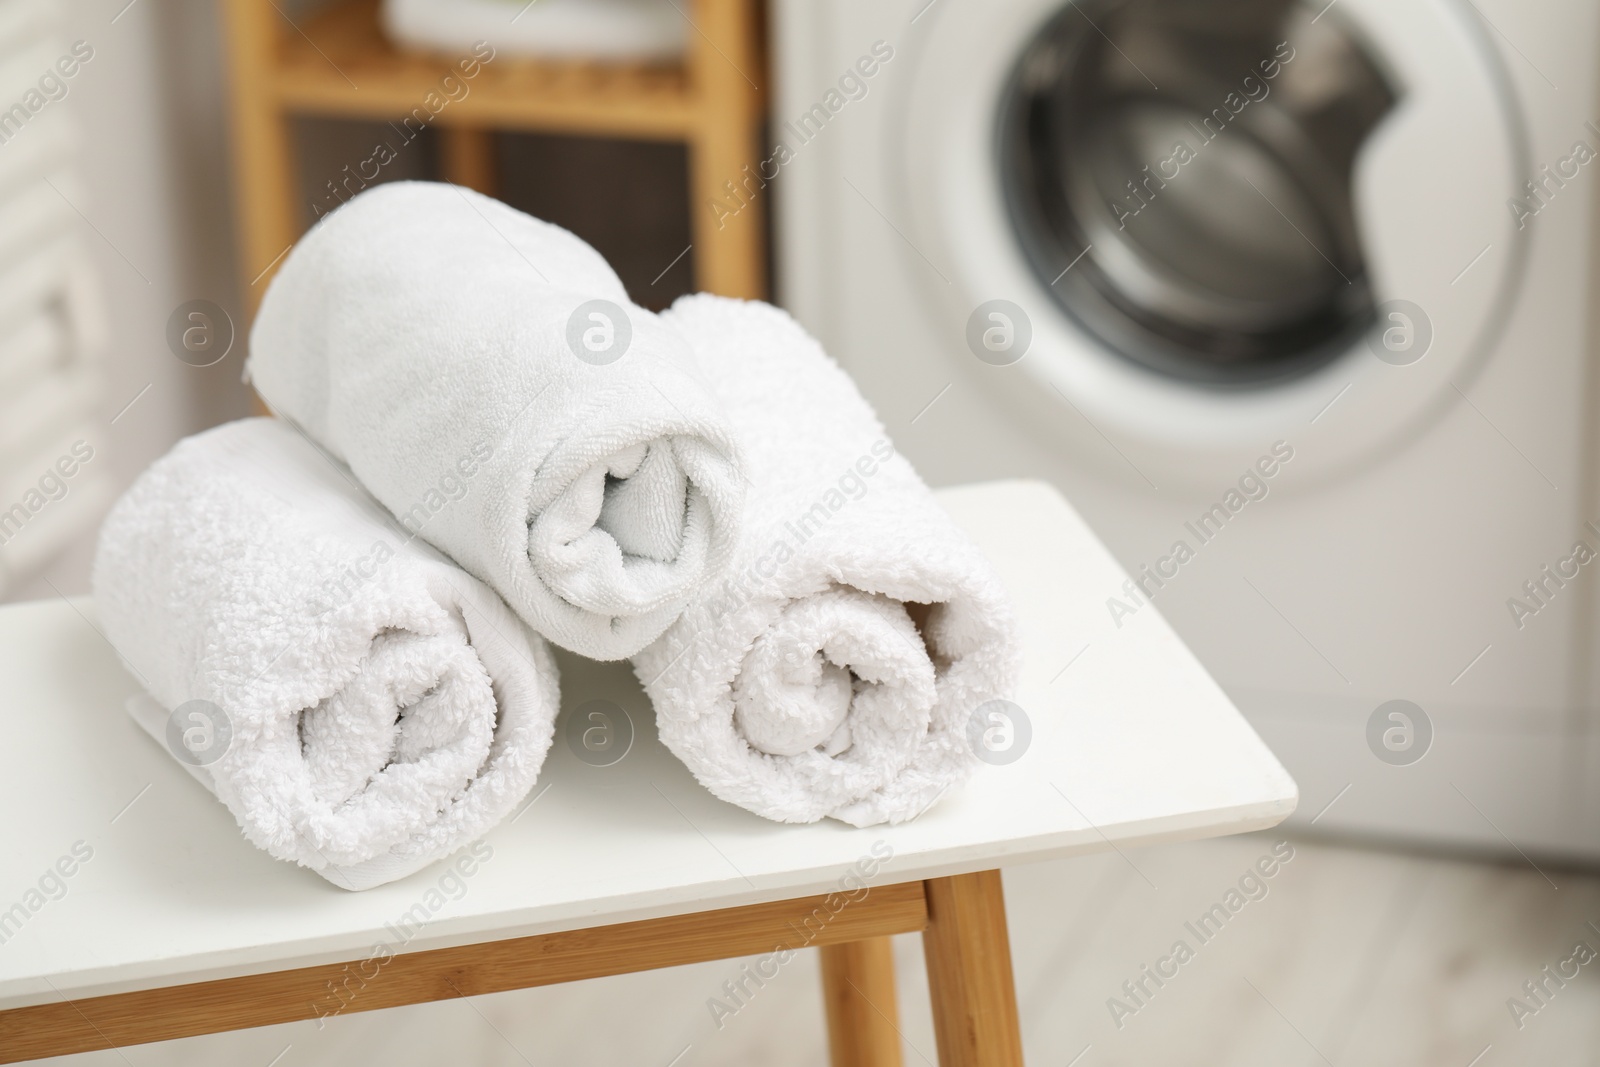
[(1292, 300)]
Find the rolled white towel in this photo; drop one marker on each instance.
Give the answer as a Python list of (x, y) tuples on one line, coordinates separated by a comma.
[(379, 707), (835, 671), (447, 346)]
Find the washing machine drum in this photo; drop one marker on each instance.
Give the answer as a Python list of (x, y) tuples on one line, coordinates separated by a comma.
[(1185, 193)]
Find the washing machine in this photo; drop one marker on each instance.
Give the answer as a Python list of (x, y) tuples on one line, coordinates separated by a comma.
[(1292, 301)]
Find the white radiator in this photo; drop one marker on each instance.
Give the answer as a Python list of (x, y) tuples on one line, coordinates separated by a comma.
[(51, 330)]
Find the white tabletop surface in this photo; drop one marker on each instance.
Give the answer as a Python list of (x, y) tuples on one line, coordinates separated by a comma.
[(1133, 743)]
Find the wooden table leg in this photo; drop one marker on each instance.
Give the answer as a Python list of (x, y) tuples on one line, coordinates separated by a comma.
[(863, 1017), (467, 156), (969, 972)]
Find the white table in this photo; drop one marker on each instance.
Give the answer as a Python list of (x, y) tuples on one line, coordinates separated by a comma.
[(610, 869)]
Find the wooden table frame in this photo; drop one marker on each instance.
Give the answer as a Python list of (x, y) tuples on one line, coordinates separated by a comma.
[(338, 64), (962, 920)]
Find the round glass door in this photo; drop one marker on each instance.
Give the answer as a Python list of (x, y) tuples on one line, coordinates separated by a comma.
[(1185, 193)]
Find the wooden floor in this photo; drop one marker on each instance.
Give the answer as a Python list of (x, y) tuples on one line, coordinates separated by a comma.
[(1351, 956)]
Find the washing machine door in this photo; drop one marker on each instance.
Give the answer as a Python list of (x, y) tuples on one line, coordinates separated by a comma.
[(1221, 216)]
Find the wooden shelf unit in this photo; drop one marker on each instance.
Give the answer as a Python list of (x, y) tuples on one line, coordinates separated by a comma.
[(339, 63)]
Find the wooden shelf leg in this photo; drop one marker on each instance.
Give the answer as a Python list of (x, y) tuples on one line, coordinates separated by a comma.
[(969, 972), (726, 228), (863, 1017), (265, 200), (728, 192), (467, 155)]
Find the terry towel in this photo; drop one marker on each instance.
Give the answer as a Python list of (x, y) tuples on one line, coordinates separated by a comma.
[(485, 376), (379, 707), (835, 671)]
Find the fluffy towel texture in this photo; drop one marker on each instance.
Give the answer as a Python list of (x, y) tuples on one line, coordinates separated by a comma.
[(386, 708), (835, 671), (421, 334)]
